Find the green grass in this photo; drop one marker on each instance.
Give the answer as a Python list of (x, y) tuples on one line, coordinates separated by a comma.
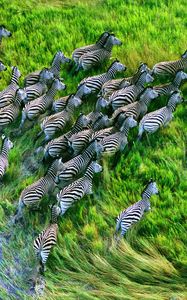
[(151, 262)]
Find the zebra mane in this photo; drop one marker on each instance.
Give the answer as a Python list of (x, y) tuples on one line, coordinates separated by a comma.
[(98, 40), (142, 72), (116, 60), (150, 181)]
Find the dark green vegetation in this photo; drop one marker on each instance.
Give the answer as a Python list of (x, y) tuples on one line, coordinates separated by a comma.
[(152, 261)]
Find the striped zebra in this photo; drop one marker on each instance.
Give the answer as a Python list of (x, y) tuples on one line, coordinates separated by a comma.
[(77, 165), (6, 146), (95, 58), (77, 53), (60, 104), (55, 123), (171, 67), (116, 84), (32, 195), (168, 88), (152, 121), (58, 59), (2, 66), (78, 189), (38, 89), (136, 109), (135, 212), (95, 82), (10, 112), (58, 147), (117, 141), (39, 106), (47, 239), (131, 93), (4, 32), (8, 94)]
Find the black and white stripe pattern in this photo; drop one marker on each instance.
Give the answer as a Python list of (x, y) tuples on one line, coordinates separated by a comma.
[(136, 109), (167, 89), (61, 103), (55, 123), (131, 93), (136, 211), (152, 121), (78, 189), (171, 67), (38, 89), (8, 94), (77, 165), (77, 53), (94, 58), (10, 112), (58, 59), (6, 146), (47, 238), (117, 141), (4, 32), (58, 146), (95, 82), (39, 106)]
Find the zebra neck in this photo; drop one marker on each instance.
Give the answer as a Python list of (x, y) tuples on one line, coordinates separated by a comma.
[(79, 93), (14, 79), (145, 100), (145, 201), (4, 151), (108, 46), (171, 106), (50, 94), (177, 82), (146, 195), (111, 73), (55, 68), (89, 173), (125, 130), (89, 152)]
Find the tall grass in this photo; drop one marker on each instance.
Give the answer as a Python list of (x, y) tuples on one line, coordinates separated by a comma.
[(152, 261)]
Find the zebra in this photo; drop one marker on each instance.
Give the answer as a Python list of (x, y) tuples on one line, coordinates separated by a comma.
[(58, 59), (39, 106), (60, 104), (152, 121), (78, 189), (131, 93), (10, 112), (77, 165), (38, 89), (2, 66), (117, 141), (171, 67), (167, 89), (95, 82), (116, 84), (4, 32), (77, 53), (95, 58), (32, 195), (7, 145), (47, 238), (8, 94), (135, 212), (136, 109), (57, 122), (58, 146)]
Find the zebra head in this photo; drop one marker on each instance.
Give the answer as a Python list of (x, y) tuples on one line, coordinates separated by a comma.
[(62, 58), (184, 55), (16, 72), (83, 89), (58, 85), (181, 75), (46, 75), (22, 95), (117, 66), (129, 122), (98, 148), (149, 93), (175, 98), (7, 142), (101, 103), (4, 32), (148, 78), (113, 40), (2, 66), (73, 101), (97, 168), (83, 121)]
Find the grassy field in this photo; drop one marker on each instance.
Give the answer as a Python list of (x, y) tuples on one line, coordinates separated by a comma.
[(151, 262)]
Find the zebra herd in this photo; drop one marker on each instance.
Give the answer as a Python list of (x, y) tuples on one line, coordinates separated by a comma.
[(74, 156)]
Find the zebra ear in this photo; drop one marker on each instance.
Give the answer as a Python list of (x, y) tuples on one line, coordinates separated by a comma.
[(3, 137)]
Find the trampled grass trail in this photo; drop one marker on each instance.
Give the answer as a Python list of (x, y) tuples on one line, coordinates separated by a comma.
[(151, 262)]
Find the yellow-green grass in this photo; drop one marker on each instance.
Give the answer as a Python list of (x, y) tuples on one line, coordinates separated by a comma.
[(151, 263)]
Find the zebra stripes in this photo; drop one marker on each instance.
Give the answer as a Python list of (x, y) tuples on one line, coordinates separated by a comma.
[(58, 59), (131, 93), (167, 89), (4, 32), (78, 189), (95, 82), (58, 147), (94, 58), (6, 146), (77, 53), (39, 106), (152, 121), (136, 211), (171, 67), (8, 94), (38, 89)]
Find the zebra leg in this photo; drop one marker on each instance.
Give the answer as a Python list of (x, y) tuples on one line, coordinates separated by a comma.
[(23, 119), (140, 132), (18, 215)]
